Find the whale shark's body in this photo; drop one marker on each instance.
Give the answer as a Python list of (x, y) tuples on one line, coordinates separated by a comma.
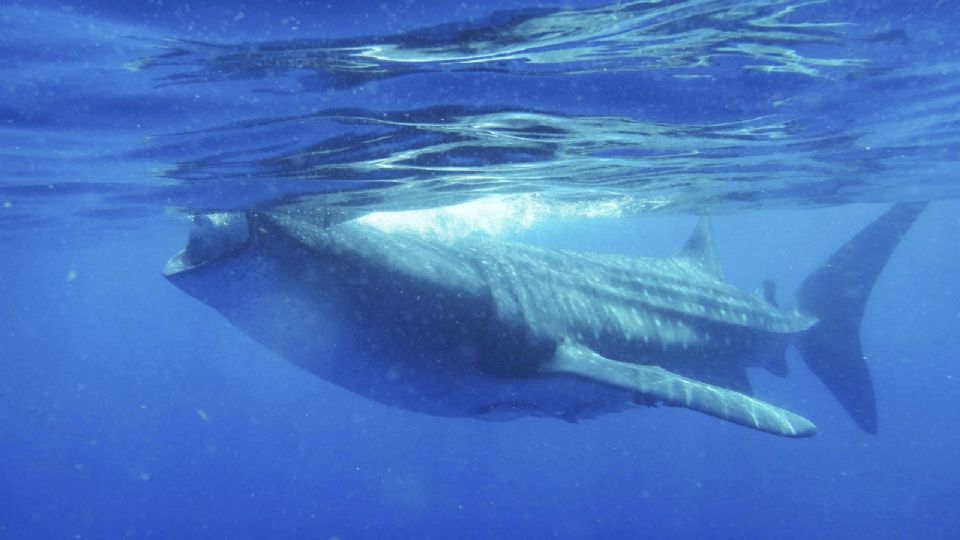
[(496, 330)]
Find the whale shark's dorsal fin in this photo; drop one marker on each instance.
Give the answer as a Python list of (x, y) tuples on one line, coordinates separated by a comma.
[(700, 249), (770, 292)]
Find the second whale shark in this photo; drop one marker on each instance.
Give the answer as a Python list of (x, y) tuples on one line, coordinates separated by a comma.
[(498, 330)]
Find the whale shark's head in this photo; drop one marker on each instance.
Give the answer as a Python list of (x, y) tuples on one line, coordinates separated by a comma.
[(268, 285), (212, 236)]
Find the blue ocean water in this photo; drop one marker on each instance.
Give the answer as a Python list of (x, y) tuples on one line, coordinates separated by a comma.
[(132, 410)]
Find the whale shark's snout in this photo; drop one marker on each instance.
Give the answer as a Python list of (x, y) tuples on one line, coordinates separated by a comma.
[(212, 236)]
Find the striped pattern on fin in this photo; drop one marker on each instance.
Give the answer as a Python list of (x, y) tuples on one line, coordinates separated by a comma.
[(673, 389)]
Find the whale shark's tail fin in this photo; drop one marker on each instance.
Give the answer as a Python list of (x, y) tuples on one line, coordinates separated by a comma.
[(836, 294)]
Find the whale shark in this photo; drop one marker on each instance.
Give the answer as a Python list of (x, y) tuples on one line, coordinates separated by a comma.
[(496, 330)]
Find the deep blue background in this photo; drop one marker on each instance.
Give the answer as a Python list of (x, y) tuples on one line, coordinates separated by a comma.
[(129, 409)]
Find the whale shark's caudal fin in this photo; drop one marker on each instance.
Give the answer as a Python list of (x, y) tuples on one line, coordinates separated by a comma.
[(836, 294)]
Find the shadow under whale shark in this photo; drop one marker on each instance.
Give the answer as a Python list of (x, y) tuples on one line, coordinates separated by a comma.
[(498, 330)]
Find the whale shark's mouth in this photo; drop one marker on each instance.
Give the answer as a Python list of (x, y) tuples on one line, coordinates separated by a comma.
[(212, 236)]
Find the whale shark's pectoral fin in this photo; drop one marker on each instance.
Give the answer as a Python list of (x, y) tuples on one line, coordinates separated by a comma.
[(673, 389)]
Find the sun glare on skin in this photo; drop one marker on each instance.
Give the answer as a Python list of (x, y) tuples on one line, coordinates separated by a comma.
[(491, 216)]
